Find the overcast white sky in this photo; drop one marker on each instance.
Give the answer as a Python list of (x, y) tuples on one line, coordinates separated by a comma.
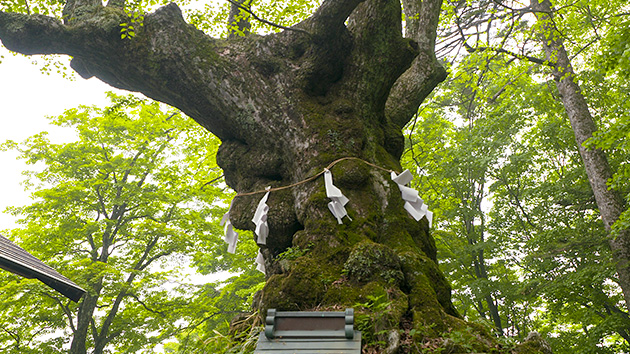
[(26, 97)]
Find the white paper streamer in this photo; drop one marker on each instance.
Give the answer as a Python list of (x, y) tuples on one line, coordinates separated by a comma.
[(232, 242), (260, 261), (231, 236), (413, 203), (338, 200), (260, 219)]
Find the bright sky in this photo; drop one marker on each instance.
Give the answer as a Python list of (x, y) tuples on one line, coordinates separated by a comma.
[(26, 97)]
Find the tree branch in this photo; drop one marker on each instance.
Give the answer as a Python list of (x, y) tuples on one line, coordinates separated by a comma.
[(101, 202), (211, 181), (135, 297), (101, 340), (15, 336), (245, 28), (93, 327), (113, 335), (153, 258), (28, 8), (425, 72), (65, 309), (33, 34), (331, 15), (162, 60), (535, 60)]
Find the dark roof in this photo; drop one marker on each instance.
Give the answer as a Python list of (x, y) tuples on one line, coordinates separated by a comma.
[(17, 260)]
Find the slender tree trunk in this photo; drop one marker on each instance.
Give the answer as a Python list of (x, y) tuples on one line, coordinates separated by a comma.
[(620, 321), (609, 202), (476, 237), (84, 316), (492, 306), (482, 273), (79, 343), (238, 23)]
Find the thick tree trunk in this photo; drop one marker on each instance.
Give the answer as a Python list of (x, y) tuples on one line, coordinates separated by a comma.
[(609, 201), (285, 106)]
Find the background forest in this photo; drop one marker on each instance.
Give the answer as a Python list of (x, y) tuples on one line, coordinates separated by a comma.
[(131, 209)]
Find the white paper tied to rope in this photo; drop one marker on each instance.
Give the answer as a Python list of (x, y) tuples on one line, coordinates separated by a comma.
[(338, 200), (231, 236), (413, 203), (260, 219), (260, 262)]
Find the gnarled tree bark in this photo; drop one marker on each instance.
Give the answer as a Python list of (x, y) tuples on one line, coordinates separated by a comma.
[(285, 105)]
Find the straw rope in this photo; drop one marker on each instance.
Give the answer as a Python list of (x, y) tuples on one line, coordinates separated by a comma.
[(313, 177)]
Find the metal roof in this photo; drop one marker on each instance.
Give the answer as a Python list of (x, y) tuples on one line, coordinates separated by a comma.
[(18, 261)]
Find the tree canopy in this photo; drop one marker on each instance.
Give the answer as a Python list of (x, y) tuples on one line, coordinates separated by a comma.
[(125, 210), (497, 140)]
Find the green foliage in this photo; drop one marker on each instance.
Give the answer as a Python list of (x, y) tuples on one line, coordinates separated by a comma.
[(457, 144), (499, 166), (128, 29), (122, 211), (371, 313), (222, 303), (212, 19), (293, 253)]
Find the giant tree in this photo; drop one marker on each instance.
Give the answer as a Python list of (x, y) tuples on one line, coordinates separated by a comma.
[(341, 83)]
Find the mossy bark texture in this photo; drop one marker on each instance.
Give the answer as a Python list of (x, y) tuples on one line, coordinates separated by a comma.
[(342, 83)]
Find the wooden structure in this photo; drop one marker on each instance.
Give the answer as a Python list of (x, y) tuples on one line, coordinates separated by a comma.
[(309, 332), (16, 260)]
